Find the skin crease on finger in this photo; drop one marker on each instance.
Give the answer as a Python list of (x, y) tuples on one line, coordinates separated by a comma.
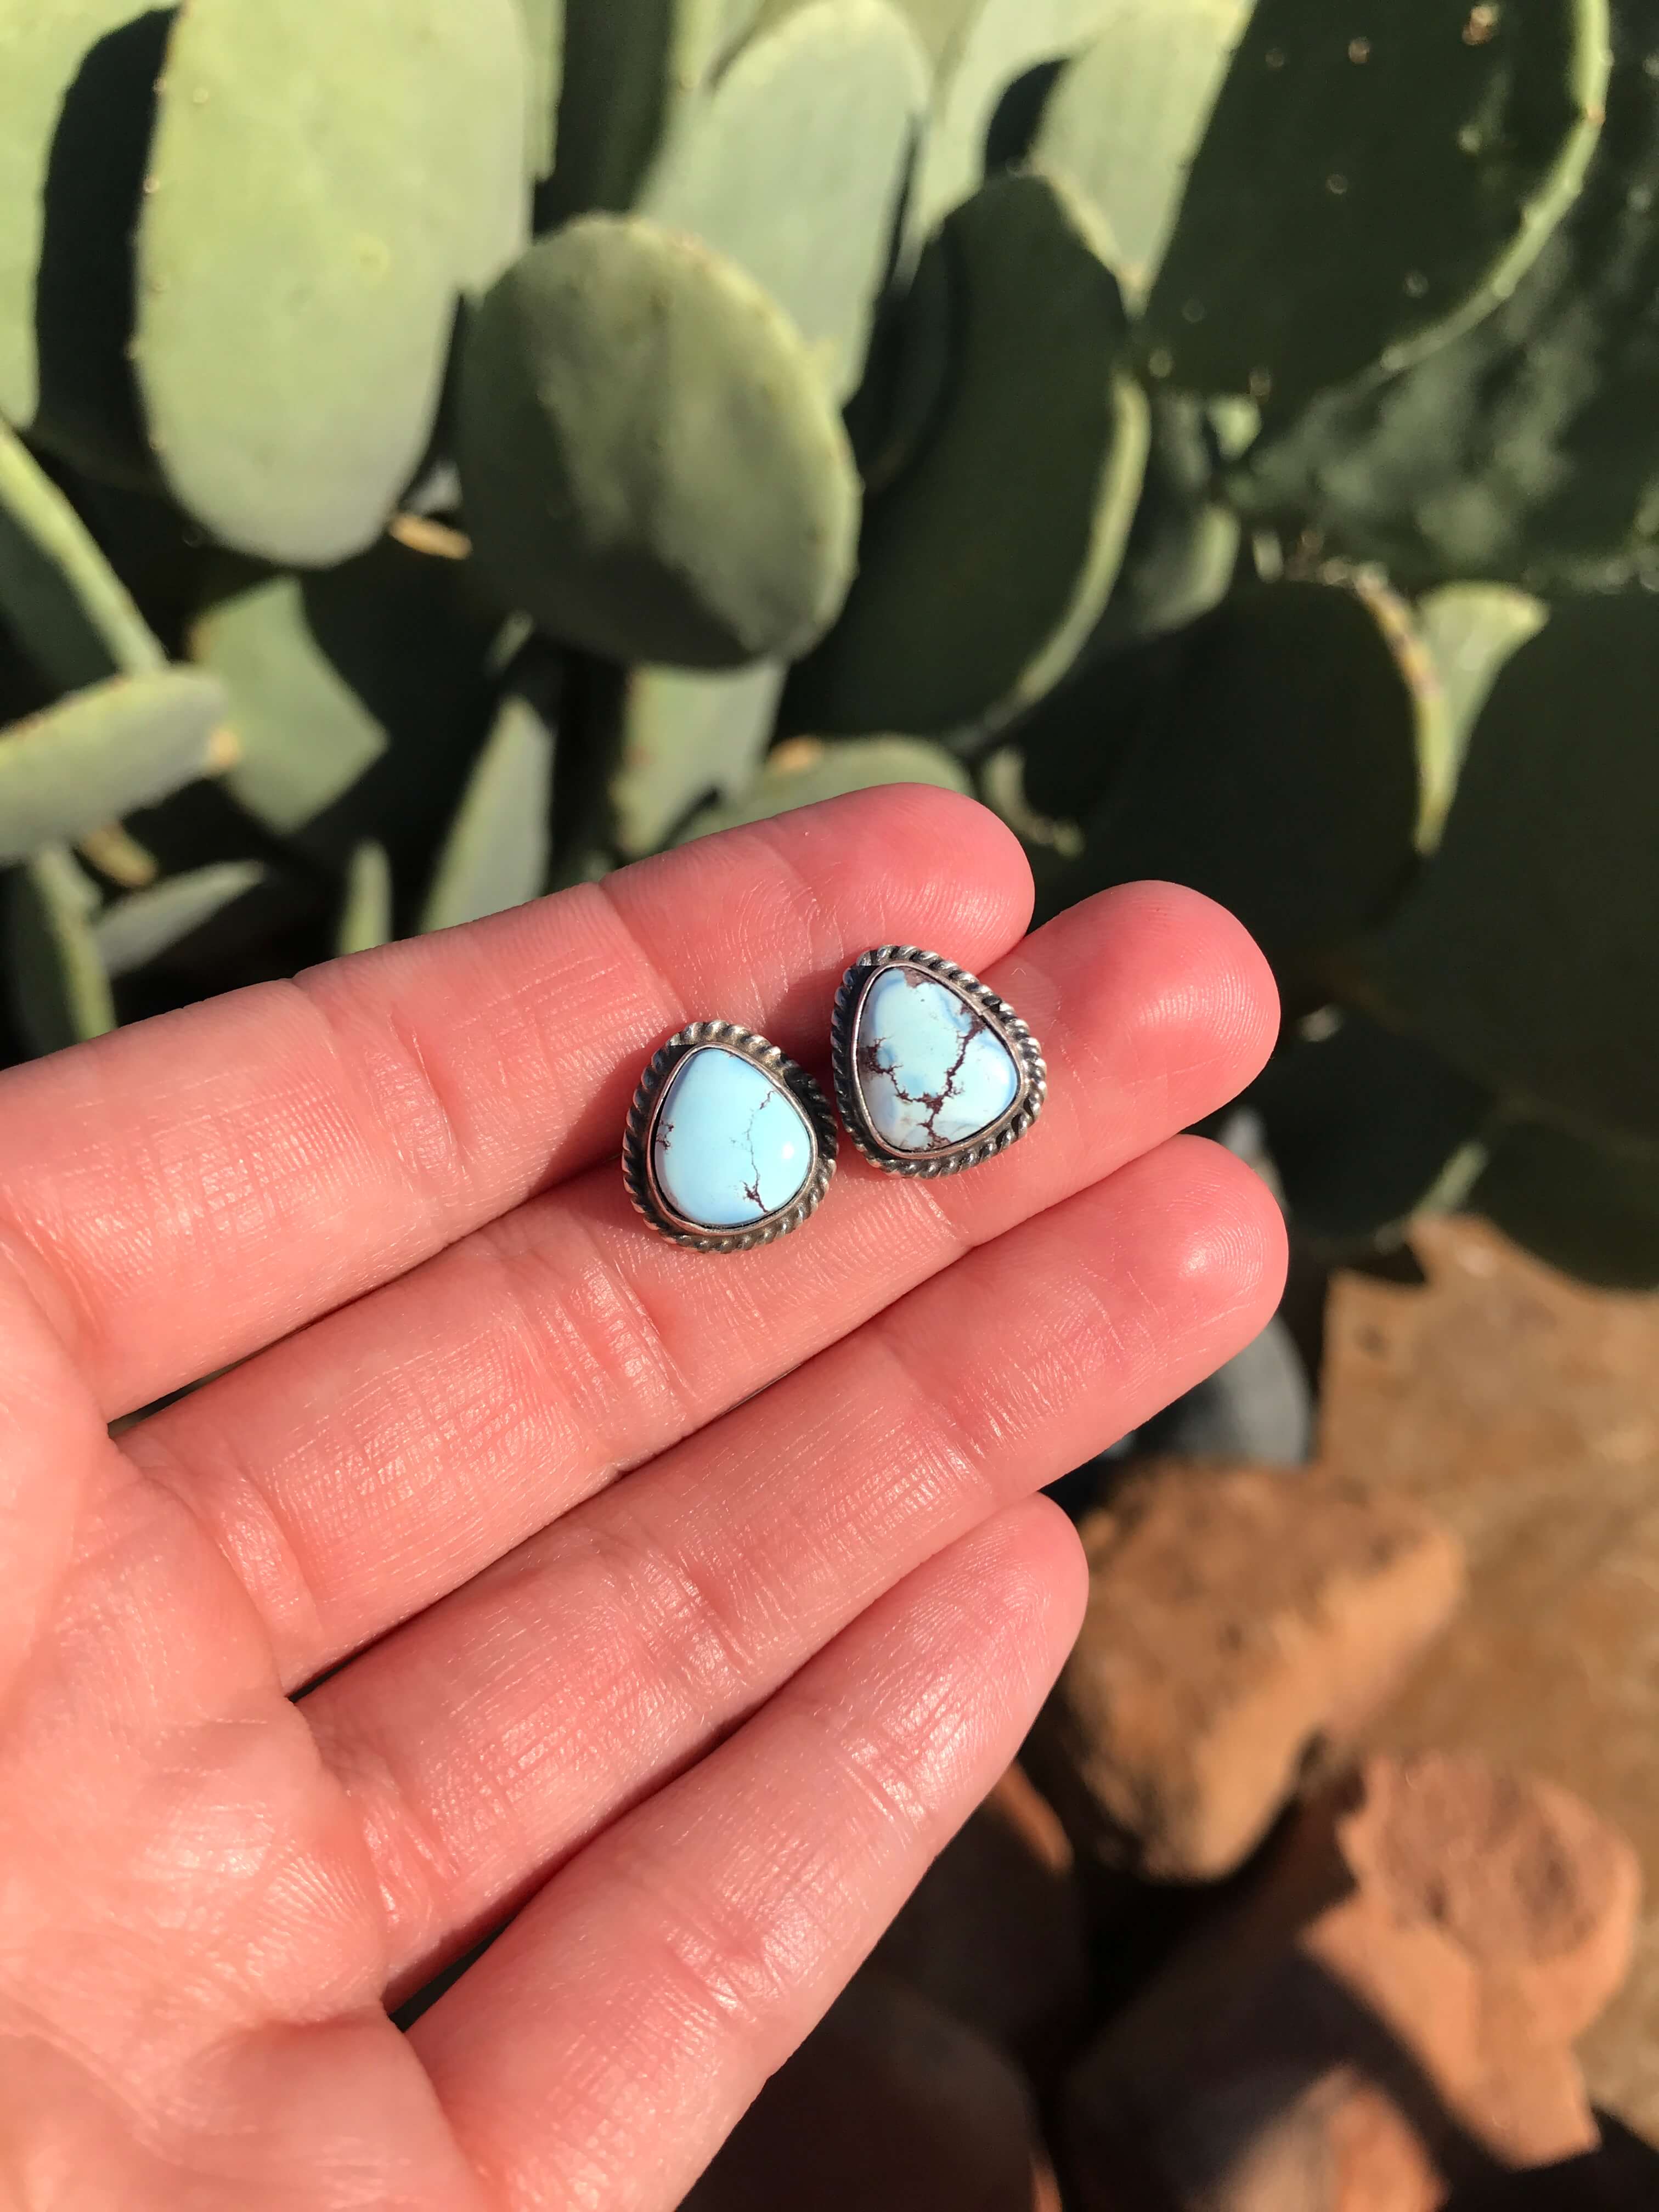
[(695, 1588), (363, 1469), (182, 1194), (200, 1930), (724, 1925)]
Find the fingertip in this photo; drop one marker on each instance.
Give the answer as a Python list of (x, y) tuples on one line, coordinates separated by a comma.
[(1061, 1568), (1228, 1242), (1033, 1556), (1215, 980), (933, 841)]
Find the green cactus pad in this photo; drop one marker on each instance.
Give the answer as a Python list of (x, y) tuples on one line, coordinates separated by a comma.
[(938, 24), (1528, 954), (1291, 711), (59, 596), (988, 562), (1128, 116), (1184, 544), (60, 992), (759, 168), (135, 931), (302, 251), (43, 46), (1317, 234), (736, 18), (1527, 449), (1366, 1128), (102, 752), (306, 736), (1589, 1209), (805, 771), (361, 696), (87, 200), (907, 376), (1074, 744), (1469, 632), (651, 468), (629, 72), (683, 736), (544, 31), (365, 913), (497, 854), (979, 59)]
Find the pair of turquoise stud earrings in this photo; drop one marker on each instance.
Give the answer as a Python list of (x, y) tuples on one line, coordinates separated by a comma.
[(730, 1145)]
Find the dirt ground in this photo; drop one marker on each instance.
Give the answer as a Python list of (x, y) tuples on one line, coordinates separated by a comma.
[(1525, 1409)]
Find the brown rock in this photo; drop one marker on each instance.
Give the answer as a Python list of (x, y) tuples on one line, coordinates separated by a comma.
[(1526, 1881), (1492, 1920), (1386, 2013), (1621, 2176), (995, 1936), (1523, 1410), (1278, 2142), (890, 2106), (1240, 1619), (1378, 2160)]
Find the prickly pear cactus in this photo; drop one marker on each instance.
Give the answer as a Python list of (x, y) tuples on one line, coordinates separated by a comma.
[(450, 448), (1527, 449), (646, 397), (105, 751), (1403, 231), (300, 252), (985, 567)]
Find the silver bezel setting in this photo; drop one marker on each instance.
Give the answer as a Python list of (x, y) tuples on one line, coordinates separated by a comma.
[(998, 1016), (639, 1144)]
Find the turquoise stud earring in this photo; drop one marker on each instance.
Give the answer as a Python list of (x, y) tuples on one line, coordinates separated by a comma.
[(729, 1145), (934, 1071)]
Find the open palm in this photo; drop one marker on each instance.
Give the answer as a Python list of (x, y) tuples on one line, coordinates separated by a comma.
[(674, 1608)]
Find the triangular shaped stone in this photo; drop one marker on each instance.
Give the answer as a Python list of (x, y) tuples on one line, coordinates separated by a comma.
[(933, 1072), (731, 1147)]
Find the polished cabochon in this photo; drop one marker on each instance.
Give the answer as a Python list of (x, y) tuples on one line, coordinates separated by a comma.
[(729, 1145), (933, 1072)]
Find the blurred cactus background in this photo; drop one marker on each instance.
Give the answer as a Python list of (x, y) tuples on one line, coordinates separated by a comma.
[(452, 448), (457, 446)]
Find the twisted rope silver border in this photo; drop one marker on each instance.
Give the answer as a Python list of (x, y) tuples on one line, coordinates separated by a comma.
[(638, 1142), (1015, 1123)]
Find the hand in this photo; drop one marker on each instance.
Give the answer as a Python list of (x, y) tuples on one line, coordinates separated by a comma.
[(680, 1607)]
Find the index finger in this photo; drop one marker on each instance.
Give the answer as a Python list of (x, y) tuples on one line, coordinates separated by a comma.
[(184, 1192)]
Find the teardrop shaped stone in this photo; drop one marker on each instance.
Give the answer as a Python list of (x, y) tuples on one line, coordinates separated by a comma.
[(731, 1146), (932, 1070)]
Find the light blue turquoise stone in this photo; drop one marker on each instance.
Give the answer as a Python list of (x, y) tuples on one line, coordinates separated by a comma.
[(933, 1073), (731, 1145)]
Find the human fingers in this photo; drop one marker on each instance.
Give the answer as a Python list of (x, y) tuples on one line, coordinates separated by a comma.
[(55, 1461), (186, 1191), (361, 1471), (602, 2050), (485, 1742)]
